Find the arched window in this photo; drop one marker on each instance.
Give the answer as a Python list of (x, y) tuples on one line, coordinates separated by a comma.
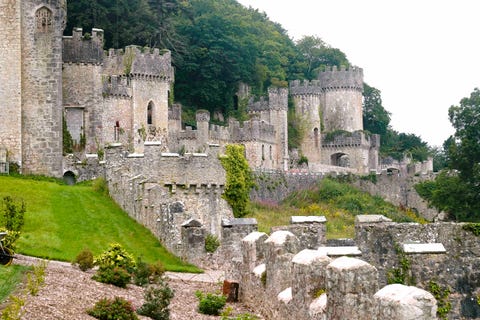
[(43, 18), (271, 157), (263, 152), (315, 137), (150, 113)]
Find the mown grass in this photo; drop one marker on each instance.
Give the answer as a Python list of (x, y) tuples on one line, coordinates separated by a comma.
[(62, 220), (338, 202), (10, 277)]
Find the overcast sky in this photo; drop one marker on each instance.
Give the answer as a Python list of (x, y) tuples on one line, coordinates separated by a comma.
[(423, 55)]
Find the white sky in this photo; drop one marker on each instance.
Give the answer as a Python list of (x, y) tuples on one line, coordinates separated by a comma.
[(423, 55)]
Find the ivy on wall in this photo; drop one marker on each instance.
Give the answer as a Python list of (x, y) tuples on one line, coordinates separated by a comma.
[(239, 179)]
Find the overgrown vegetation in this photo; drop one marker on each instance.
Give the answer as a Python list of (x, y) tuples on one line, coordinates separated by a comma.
[(211, 243), (338, 201), (401, 274), (157, 299), (239, 179), (53, 208), (441, 295)]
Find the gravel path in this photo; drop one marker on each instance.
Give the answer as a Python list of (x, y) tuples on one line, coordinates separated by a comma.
[(69, 292)]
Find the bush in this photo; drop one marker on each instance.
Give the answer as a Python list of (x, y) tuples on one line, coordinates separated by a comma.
[(145, 273), (116, 256), (116, 308), (210, 303), (117, 276), (211, 243), (157, 299), (84, 260)]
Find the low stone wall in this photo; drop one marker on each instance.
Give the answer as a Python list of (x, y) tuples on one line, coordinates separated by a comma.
[(281, 282), (384, 244)]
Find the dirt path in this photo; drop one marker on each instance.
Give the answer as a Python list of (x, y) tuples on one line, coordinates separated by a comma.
[(69, 292)]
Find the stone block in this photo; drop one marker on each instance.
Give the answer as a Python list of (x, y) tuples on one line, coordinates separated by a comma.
[(423, 248), (307, 219), (371, 218), (340, 251), (309, 279), (317, 310), (400, 302), (351, 284)]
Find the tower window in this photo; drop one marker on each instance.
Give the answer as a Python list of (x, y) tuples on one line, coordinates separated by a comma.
[(43, 18), (150, 113)]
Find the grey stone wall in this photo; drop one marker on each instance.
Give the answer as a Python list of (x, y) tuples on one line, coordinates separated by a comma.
[(458, 268), (11, 79), (162, 191), (42, 27), (280, 282)]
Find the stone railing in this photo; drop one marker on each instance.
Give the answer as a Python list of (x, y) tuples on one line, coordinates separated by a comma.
[(281, 279)]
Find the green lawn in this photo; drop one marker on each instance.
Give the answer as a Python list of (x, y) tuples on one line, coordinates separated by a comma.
[(62, 220), (10, 277)]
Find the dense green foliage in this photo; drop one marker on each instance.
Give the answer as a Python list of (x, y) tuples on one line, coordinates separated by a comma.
[(456, 190), (239, 179), (62, 220)]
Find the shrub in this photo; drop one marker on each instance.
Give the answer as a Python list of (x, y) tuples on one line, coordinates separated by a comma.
[(117, 276), (157, 299), (116, 308), (145, 273), (36, 278), (84, 260), (210, 303), (211, 243), (116, 256), (13, 311), (141, 273)]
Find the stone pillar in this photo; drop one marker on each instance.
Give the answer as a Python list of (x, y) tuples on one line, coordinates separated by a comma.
[(399, 302), (309, 280), (310, 230), (233, 231), (351, 284), (253, 250), (280, 248), (193, 240)]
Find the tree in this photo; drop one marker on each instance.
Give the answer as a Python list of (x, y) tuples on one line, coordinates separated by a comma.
[(239, 179), (375, 118), (314, 54), (457, 190)]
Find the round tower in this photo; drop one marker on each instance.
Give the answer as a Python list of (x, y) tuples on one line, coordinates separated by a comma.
[(341, 107), (42, 26), (307, 96)]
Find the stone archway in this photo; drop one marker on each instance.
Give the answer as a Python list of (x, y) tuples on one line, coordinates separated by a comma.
[(69, 178), (340, 159)]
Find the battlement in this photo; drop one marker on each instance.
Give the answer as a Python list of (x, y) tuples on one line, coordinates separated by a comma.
[(348, 139), (305, 87), (83, 48), (332, 78), (277, 100), (136, 62), (118, 86), (252, 130)]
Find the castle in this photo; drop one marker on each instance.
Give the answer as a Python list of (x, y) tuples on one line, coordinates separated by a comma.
[(50, 81)]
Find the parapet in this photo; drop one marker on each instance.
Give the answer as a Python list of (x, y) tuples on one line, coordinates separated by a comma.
[(140, 62), (83, 48), (277, 100), (332, 79), (117, 86)]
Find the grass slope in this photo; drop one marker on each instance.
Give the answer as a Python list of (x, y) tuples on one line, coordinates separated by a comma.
[(338, 202), (62, 220), (10, 277)]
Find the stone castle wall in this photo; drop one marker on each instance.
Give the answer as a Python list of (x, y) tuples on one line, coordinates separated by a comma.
[(455, 267), (42, 28), (11, 79), (282, 279), (186, 187)]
